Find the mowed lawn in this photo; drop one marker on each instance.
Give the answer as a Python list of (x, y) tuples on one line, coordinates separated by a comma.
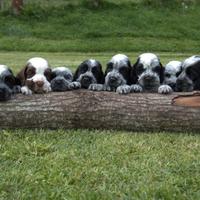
[(92, 164), (82, 164)]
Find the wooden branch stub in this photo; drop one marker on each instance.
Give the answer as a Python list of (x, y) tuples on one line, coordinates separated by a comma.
[(17, 6), (100, 110), (189, 100)]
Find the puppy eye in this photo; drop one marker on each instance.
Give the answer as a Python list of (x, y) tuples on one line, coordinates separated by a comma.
[(94, 70), (156, 69), (123, 70), (139, 69), (84, 69), (167, 75), (30, 73), (68, 77), (9, 80)]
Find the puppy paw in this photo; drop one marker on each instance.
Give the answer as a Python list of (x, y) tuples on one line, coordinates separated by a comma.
[(47, 88), (165, 89), (74, 85), (107, 88), (123, 89), (96, 87), (136, 88), (26, 91)]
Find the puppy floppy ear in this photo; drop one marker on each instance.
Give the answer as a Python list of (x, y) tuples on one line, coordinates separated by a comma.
[(109, 67), (75, 77), (21, 76), (162, 71), (178, 73), (134, 76), (101, 74), (17, 81), (48, 74), (129, 73)]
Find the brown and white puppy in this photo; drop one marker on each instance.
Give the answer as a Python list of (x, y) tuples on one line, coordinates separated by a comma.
[(35, 77)]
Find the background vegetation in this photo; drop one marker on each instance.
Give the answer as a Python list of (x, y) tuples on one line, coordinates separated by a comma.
[(128, 25)]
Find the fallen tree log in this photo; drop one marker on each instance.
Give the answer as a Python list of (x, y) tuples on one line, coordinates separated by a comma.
[(178, 112)]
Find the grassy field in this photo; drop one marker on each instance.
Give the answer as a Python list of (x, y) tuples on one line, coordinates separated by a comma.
[(126, 27), (86, 164), (92, 164)]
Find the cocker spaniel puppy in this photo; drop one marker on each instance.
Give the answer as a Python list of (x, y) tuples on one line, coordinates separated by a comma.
[(117, 75), (189, 79), (9, 84), (148, 75), (62, 80), (35, 77), (89, 72), (172, 71)]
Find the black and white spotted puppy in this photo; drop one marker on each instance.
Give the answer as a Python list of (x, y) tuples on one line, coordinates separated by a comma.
[(172, 71), (117, 75), (9, 84), (189, 79), (148, 75), (89, 72), (35, 77), (62, 80)]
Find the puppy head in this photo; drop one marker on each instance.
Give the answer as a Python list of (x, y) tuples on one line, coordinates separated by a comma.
[(148, 72), (61, 77), (189, 79), (36, 75), (118, 71), (172, 71), (89, 72), (7, 77), (7, 83)]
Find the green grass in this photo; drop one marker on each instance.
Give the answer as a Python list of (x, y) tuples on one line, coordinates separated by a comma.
[(86, 164), (129, 27)]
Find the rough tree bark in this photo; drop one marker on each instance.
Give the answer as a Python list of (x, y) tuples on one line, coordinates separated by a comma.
[(17, 6), (103, 110)]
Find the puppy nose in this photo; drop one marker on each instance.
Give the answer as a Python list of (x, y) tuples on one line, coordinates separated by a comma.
[(87, 78), (113, 79), (149, 78), (39, 83), (59, 81)]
